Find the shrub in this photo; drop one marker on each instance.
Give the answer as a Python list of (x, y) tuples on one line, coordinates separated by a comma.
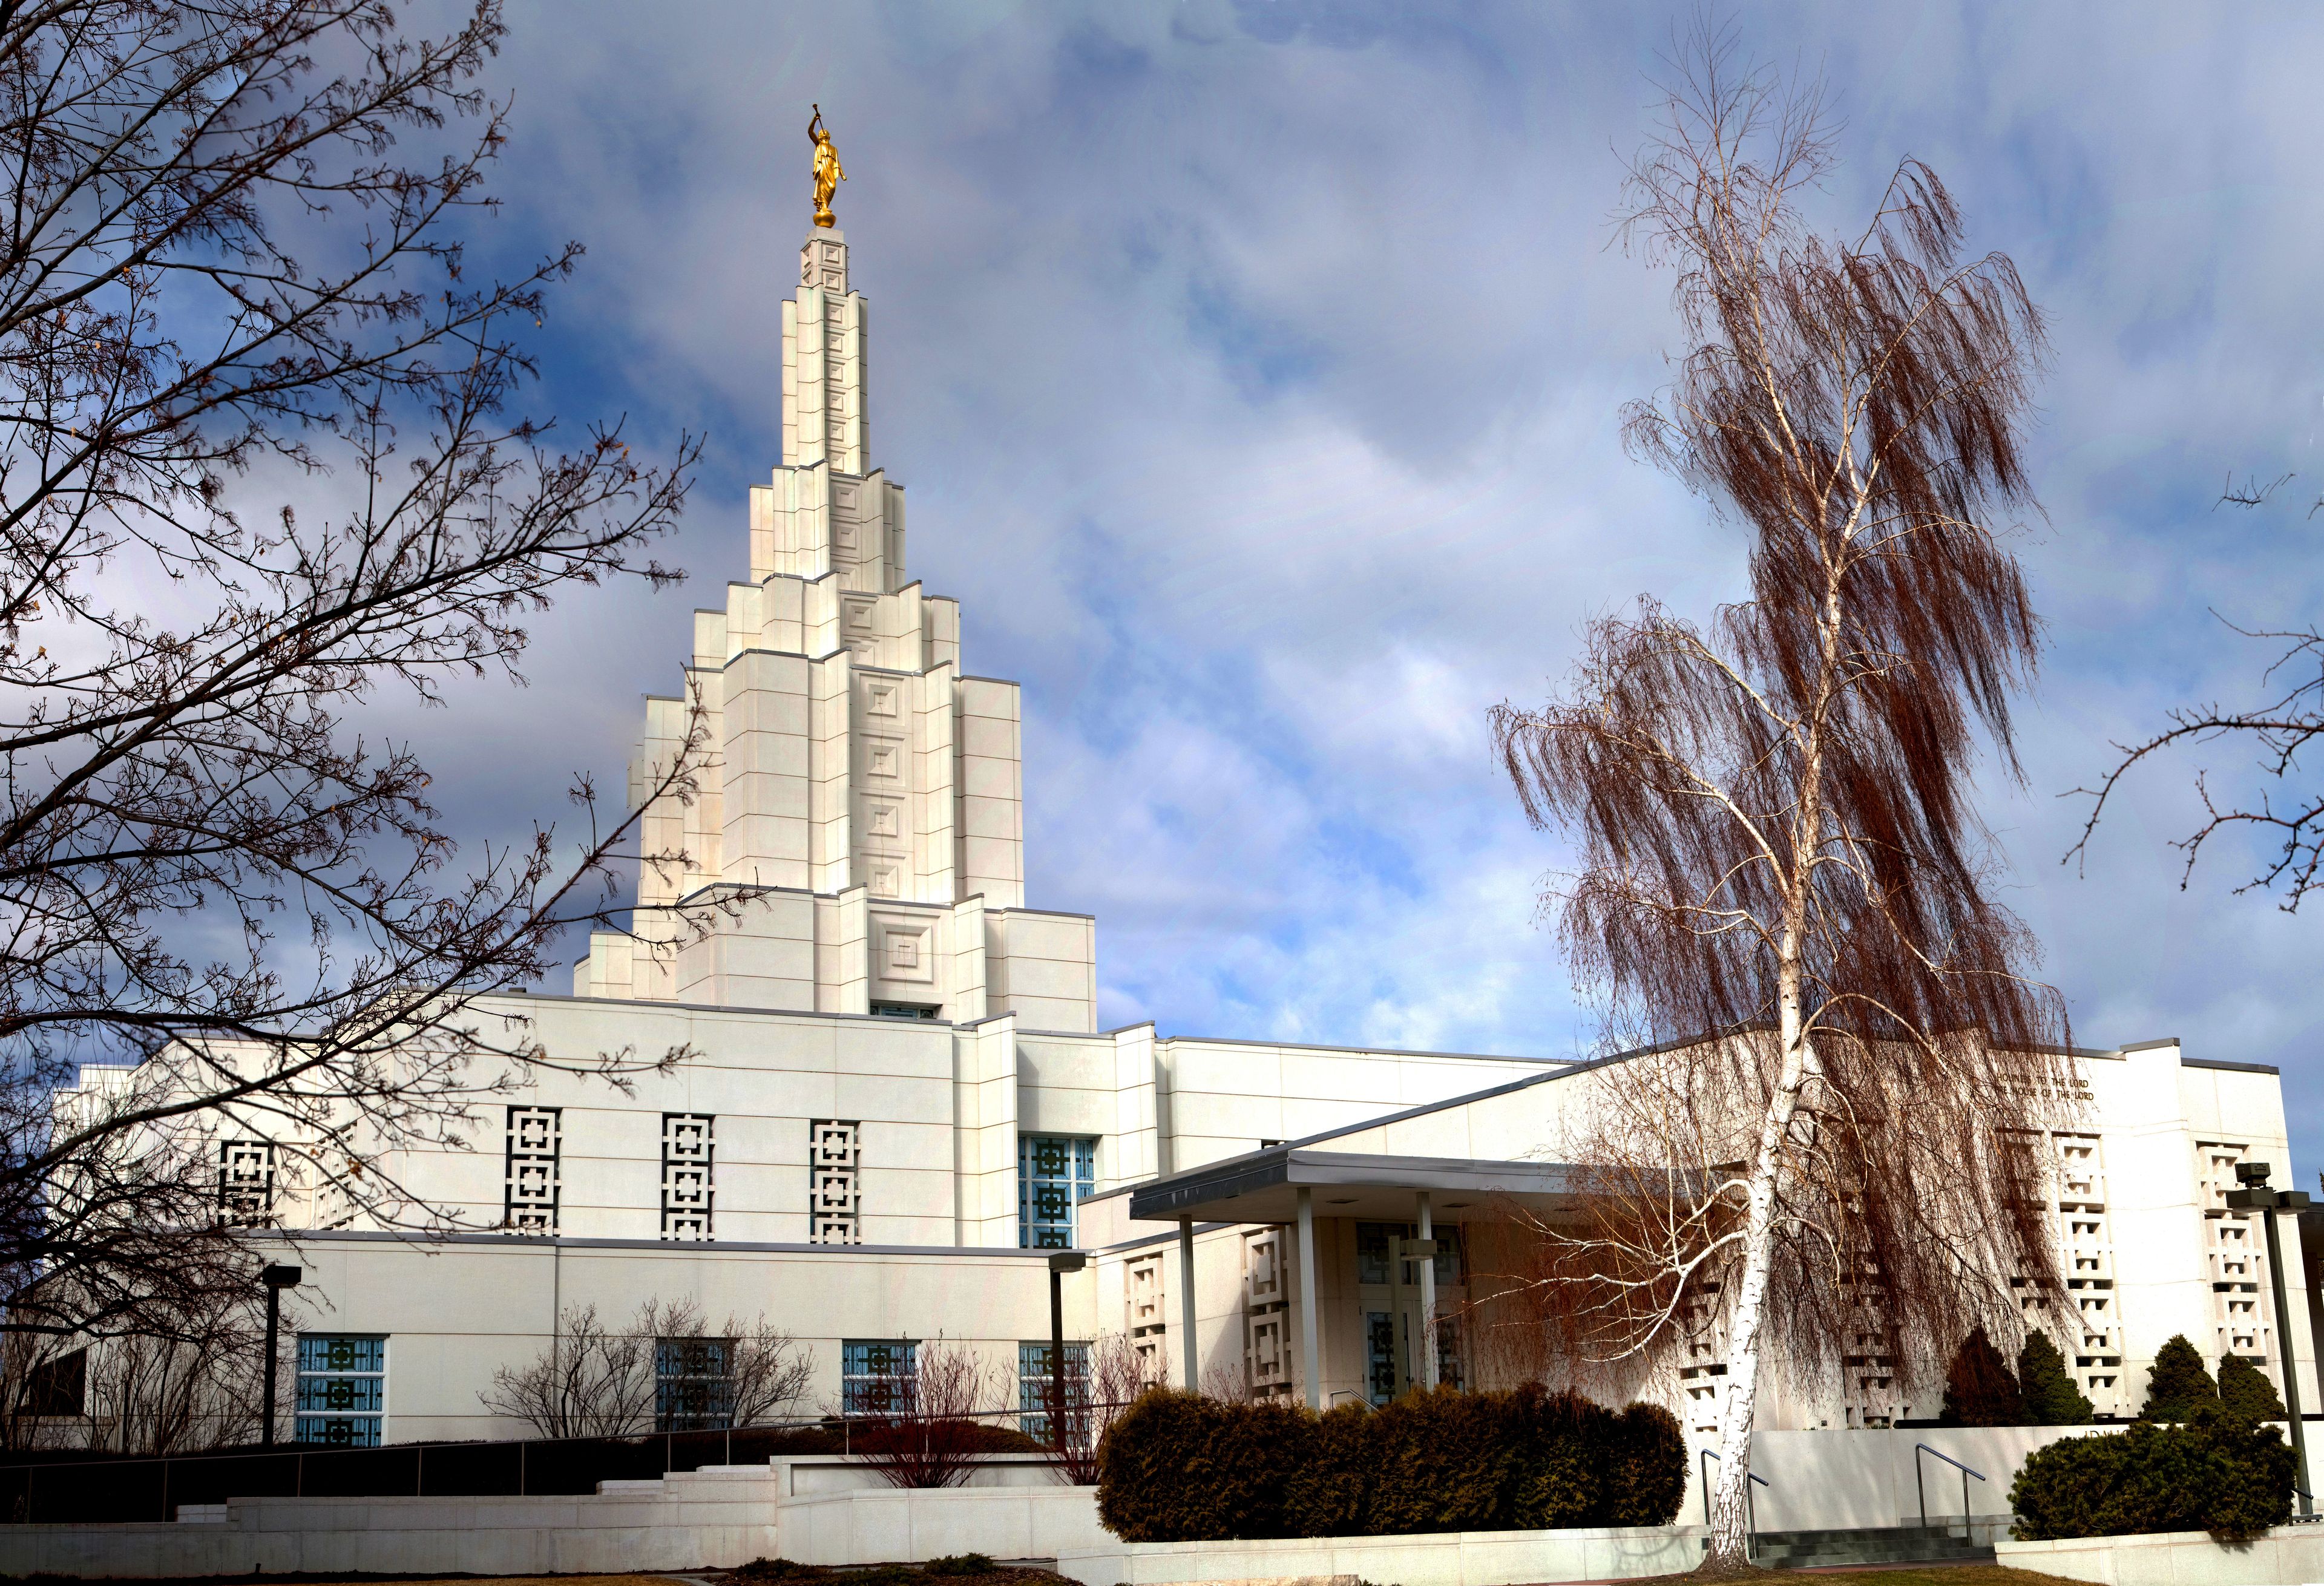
[(2051, 1399), (1981, 1389), (1561, 1443), (1328, 1494), (1140, 1495), (1645, 1480), (1177, 1467), (960, 1563), (1254, 1452), (2246, 1393), (1439, 1461), (2177, 1385), (2214, 1473)]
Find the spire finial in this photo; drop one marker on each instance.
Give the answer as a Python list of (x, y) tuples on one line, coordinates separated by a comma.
[(828, 173)]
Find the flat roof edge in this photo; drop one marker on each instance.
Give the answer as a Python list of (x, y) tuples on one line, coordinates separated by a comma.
[(517, 1241)]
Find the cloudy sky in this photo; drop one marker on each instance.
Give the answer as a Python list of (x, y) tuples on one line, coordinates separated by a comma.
[(1254, 370)]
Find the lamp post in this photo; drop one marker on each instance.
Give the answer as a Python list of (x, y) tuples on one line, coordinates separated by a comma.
[(2256, 1196), (1060, 1263), (277, 1279)]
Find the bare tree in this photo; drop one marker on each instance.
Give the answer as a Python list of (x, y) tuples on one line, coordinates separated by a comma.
[(225, 915), (918, 1424), (1784, 888), (596, 1379), (2280, 730), (191, 1378), (665, 1371), (757, 1372), (1102, 1381)]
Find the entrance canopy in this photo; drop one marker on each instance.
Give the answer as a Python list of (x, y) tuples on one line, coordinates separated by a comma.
[(1263, 1187)]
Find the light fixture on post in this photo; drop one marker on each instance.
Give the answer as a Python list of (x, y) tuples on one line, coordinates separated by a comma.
[(2256, 1196), (1060, 1263), (276, 1280)]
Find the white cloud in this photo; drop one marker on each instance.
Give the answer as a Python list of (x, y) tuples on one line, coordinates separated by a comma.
[(1258, 400)]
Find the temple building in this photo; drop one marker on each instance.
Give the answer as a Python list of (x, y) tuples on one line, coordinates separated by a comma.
[(901, 1102)]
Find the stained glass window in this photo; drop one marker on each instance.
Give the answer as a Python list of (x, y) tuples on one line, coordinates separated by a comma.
[(1033, 1387), (1371, 1252), (342, 1388), (875, 1374), (1055, 1172), (693, 1383), (1380, 1355)]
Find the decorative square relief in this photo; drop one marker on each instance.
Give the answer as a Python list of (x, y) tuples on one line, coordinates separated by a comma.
[(824, 263), (884, 878), (835, 1166), (686, 1155), (532, 1164), (883, 820), (884, 700), (246, 1182), (884, 758), (907, 953)]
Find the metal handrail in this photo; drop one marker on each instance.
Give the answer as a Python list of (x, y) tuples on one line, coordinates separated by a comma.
[(1918, 1486), (1750, 1509)]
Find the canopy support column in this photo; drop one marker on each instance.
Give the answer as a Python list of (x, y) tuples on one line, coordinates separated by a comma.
[(1427, 1265), (1311, 1359), (1193, 1382)]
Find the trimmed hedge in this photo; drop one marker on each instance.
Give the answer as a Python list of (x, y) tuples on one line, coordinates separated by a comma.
[(1177, 1467), (2216, 1472)]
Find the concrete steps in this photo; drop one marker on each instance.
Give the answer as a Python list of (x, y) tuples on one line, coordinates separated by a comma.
[(1896, 1544)]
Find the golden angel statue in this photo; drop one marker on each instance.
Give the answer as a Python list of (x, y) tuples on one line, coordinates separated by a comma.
[(828, 173)]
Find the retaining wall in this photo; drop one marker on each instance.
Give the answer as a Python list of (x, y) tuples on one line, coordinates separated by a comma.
[(1454, 1558), (2286, 1556), (720, 1514)]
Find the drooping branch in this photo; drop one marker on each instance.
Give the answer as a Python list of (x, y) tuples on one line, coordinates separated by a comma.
[(1783, 887)]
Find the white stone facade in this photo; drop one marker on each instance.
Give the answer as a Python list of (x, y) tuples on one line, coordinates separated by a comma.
[(850, 767), (888, 1036)]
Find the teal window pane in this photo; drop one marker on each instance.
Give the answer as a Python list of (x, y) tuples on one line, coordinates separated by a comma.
[(875, 1374), (1033, 1387), (340, 1397), (1055, 1173)]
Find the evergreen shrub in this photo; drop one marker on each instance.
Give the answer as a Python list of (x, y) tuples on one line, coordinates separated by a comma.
[(1980, 1389), (1561, 1442), (1177, 1467), (2051, 1399), (2177, 1385), (1646, 1482), (1439, 1461), (2214, 1472), (1328, 1494), (2246, 1393)]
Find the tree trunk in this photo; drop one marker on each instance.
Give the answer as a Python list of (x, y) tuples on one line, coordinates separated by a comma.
[(1730, 1494)]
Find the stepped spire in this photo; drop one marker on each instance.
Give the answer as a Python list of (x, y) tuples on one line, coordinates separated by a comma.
[(824, 415), (864, 789)]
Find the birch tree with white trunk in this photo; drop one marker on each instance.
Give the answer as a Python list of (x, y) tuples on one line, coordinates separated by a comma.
[(1830, 1156)]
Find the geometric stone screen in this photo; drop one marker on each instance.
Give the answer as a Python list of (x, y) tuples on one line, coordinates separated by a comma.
[(835, 1162), (531, 1187), (686, 1152)]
